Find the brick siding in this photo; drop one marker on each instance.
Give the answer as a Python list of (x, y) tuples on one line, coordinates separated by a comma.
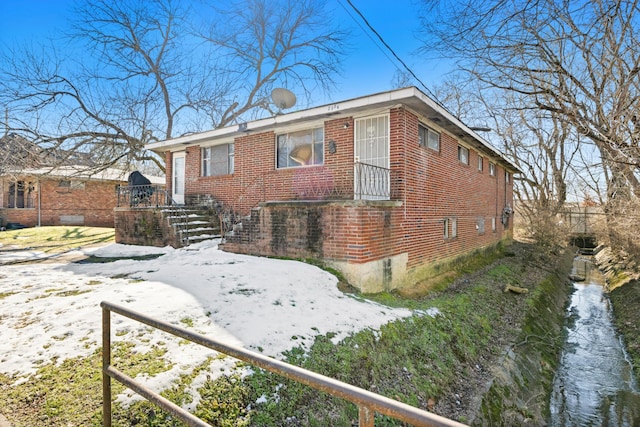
[(146, 227), (90, 206)]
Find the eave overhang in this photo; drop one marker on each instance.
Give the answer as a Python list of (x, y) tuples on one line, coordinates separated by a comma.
[(410, 97)]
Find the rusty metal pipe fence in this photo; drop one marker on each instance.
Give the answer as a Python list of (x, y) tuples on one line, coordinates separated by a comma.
[(368, 403)]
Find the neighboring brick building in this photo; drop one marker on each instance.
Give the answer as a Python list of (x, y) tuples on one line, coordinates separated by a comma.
[(387, 188), (65, 195)]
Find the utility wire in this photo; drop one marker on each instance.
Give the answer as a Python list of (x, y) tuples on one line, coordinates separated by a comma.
[(390, 49), (367, 33)]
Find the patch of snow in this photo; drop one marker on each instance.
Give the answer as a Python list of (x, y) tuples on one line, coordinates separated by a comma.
[(52, 311)]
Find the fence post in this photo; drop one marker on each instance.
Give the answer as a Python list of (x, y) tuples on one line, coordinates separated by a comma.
[(106, 362), (366, 416)]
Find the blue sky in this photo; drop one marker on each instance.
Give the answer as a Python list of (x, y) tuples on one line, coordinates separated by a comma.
[(367, 70)]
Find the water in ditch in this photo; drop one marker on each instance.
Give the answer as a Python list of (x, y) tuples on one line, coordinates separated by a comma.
[(594, 385)]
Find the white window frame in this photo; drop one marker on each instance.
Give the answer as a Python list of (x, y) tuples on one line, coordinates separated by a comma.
[(428, 137), (507, 177), (480, 225), (20, 186), (208, 161), (493, 224), (450, 228), (492, 169), (462, 158), (315, 155), (480, 163)]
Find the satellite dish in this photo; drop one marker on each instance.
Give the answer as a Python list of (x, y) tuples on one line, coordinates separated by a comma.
[(283, 98)]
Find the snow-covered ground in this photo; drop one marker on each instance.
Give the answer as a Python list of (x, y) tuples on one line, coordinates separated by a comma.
[(51, 311)]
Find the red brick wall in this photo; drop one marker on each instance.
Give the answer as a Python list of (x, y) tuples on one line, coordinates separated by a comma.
[(143, 227), (438, 186), (353, 231), (95, 203), (256, 178)]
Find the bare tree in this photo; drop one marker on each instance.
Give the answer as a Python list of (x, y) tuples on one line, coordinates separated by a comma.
[(542, 146), (137, 71), (17, 154), (578, 62)]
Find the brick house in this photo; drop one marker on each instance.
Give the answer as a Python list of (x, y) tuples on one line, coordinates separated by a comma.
[(64, 195), (387, 188)]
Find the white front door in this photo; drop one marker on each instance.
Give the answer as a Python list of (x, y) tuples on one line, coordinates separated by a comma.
[(177, 188), (372, 175)]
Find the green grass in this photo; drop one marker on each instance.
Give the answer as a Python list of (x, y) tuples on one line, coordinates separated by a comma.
[(70, 394), (411, 360), (56, 239)]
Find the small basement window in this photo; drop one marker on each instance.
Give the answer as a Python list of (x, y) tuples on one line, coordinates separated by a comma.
[(428, 137), (450, 228), (463, 154), (72, 185)]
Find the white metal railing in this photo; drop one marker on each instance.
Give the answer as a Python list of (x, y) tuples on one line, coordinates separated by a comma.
[(371, 182)]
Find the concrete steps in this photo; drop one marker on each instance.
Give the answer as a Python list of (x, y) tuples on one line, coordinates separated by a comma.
[(192, 224)]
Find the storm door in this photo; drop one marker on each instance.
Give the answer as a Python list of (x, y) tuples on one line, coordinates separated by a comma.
[(177, 187), (371, 163)]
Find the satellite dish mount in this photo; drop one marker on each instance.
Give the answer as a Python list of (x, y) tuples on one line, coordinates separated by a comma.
[(283, 98)]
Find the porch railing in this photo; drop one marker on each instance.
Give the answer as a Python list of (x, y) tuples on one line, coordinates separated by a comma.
[(142, 196), (368, 403), (371, 182)]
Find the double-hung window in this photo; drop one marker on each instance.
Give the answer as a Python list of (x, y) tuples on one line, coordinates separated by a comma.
[(218, 160), (463, 154), (20, 195), (492, 169), (428, 138), (450, 228), (301, 148)]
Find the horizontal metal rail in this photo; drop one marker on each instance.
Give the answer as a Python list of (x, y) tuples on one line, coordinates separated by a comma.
[(368, 403)]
